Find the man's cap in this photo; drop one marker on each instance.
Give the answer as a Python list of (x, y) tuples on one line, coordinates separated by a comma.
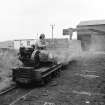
[(42, 35)]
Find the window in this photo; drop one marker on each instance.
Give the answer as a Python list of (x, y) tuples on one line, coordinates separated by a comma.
[(21, 44), (28, 43)]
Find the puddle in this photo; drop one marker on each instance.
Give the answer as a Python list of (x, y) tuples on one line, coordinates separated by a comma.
[(90, 71), (82, 92), (87, 93), (87, 76), (87, 102), (48, 103)]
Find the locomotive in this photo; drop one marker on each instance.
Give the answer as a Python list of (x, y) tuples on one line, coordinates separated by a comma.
[(36, 66)]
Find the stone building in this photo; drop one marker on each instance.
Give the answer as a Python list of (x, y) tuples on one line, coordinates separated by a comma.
[(92, 35)]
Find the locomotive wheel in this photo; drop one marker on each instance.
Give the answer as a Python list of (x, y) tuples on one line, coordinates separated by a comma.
[(42, 82)]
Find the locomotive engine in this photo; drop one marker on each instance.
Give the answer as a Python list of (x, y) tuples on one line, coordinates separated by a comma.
[(34, 58), (26, 54), (35, 66)]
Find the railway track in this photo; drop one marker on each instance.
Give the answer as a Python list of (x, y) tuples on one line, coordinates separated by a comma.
[(21, 97), (14, 94), (8, 90)]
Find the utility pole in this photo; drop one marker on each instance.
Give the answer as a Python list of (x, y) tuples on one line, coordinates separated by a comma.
[(37, 35), (52, 27)]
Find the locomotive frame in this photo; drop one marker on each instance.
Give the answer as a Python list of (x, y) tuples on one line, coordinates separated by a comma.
[(33, 70)]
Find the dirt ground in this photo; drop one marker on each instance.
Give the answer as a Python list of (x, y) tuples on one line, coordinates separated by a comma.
[(82, 83)]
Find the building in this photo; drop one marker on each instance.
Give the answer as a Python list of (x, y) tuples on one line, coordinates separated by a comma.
[(16, 44), (63, 42), (92, 35), (7, 45), (71, 32), (23, 42)]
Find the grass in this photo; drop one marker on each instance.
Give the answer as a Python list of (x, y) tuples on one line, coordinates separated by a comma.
[(8, 59)]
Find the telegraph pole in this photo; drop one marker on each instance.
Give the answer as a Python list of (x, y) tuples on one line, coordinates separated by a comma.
[(37, 35), (52, 27)]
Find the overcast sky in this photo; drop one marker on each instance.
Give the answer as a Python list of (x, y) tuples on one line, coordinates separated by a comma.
[(25, 18)]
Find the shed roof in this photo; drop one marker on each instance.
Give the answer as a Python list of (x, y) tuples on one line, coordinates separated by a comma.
[(92, 22), (23, 39)]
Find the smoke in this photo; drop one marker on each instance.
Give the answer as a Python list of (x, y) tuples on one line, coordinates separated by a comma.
[(75, 52), (65, 55)]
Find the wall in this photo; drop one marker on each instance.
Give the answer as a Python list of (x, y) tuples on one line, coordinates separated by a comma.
[(7, 45), (26, 43), (66, 45), (91, 40), (58, 43), (62, 43), (98, 43), (75, 46), (85, 41)]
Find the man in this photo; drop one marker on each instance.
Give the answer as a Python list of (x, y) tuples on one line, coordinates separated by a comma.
[(41, 43)]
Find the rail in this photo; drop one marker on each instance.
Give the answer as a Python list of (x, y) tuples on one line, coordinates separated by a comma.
[(7, 90)]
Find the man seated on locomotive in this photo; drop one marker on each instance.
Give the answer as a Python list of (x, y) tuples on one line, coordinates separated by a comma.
[(41, 43)]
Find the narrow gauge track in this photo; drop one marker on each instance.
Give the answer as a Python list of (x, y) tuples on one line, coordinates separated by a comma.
[(13, 95), (21, 97), (8, 90)]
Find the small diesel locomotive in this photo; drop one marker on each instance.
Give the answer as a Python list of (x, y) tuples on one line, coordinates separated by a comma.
[(36, 66)]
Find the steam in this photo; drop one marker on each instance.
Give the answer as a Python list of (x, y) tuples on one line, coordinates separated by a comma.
[(75, 52)]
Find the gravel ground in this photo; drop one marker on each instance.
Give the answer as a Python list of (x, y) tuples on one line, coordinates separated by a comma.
[(82, 83)]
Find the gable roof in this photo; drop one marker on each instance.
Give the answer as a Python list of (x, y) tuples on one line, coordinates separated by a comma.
[(92, 22)]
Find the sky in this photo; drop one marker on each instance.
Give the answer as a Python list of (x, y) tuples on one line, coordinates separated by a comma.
[(23, 19)]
